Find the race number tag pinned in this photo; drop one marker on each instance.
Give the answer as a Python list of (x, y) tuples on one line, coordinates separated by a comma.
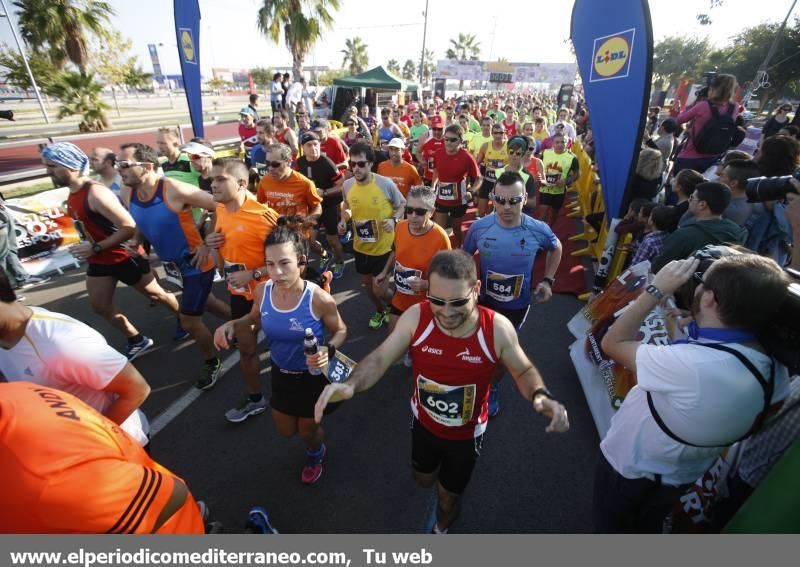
[(340, 368), (367, 231)]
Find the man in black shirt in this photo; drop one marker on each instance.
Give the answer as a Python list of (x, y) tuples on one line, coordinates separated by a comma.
[(328, 180)]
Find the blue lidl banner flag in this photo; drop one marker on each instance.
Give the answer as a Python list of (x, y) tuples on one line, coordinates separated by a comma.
[(613, 42), (187, 31)]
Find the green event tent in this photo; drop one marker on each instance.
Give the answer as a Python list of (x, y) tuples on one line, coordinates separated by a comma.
[(377, 78)]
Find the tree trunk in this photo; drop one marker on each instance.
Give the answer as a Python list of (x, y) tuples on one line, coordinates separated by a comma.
[(297, 65)]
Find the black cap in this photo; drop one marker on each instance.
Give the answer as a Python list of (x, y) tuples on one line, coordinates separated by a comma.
[(309, 137)]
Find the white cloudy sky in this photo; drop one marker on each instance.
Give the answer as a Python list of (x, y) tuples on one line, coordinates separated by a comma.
[(517, 30)]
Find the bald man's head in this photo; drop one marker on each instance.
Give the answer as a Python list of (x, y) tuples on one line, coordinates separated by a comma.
[(102, 160)]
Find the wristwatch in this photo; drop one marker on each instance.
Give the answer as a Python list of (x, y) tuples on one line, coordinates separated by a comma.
[(542, 392), (96, 248), (331, 351), (655, 292), (257, 275), (549, 281)]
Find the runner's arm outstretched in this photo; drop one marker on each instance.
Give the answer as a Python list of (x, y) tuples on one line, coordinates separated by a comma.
[(370, 370)]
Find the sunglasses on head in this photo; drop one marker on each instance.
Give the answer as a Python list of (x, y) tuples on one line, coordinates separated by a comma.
[(274, 164), (125, 164), (361, 164), (453, 302), (515, 200), (420, 212)]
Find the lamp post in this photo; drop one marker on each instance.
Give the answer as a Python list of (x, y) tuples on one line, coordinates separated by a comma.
[(4, 14), (424, 34)]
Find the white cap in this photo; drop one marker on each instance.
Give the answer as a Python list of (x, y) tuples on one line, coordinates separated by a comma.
[(194, 148), (397, 143)]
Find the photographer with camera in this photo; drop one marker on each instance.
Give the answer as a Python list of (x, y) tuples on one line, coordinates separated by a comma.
[(694, 397), (769, 231)]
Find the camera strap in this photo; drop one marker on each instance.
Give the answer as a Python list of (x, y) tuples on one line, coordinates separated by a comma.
[(768, 386)]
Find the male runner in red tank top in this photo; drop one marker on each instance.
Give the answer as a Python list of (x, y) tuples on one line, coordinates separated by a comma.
[(455, 345), (104, 226)]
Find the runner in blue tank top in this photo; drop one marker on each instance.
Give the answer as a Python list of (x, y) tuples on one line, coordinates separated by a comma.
[(507, 242), (284, 308), (162, 209)]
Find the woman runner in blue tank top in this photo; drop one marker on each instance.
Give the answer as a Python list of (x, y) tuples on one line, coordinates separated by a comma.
[(284, 307)]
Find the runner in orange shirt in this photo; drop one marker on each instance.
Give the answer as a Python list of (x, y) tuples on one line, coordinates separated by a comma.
[(68, 469), (417, 240), (404, 175), (241, 228)]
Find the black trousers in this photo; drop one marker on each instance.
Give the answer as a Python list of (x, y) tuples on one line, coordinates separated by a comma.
[(622, 505)]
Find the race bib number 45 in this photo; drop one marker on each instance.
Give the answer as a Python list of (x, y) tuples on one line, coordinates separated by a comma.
[(448, 405), (502, 287)]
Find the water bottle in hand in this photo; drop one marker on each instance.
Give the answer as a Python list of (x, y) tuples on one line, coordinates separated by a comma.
[(311, 347)]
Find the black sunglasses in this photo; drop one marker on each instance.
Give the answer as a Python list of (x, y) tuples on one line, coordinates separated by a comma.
[(420, 212), (361, 164), (453, 302), (452, 140), (274, 164), (515, 152), (497, 133), (515, 200)]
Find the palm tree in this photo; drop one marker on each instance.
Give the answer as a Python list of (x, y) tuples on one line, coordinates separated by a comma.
[(300, 30), (60, 27), (356, 57), (409, 70), (81, 95), (393, 67), (465, 48)]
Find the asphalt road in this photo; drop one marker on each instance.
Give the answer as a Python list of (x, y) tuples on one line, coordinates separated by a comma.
[(24, 157), (526, 481)]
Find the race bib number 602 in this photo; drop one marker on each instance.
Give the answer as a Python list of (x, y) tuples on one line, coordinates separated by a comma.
[(448, 405)]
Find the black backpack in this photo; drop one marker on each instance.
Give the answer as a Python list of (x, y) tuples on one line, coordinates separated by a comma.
[(717, 134)]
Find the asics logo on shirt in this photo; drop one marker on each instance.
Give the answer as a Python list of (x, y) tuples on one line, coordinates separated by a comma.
[(436, 351), (466, 357)]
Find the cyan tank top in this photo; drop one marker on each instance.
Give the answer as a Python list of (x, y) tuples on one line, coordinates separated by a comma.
[(285, 330)]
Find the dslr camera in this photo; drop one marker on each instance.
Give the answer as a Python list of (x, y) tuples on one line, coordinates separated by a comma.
[(760, 189), (782, 336)]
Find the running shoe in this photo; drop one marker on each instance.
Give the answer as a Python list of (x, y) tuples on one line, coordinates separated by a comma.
[(258, 522), (338, 269), (378, 318), (324, 261), (245, 409), (137, 349), (181, 334), (313, 467), (32, 281), (211, 372), (494, 401)]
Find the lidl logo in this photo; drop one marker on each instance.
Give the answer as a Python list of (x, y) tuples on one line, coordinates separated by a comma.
[(612, 56), (187, 46)]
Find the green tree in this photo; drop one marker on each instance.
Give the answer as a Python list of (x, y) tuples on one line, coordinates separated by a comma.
[(112, 61), (61, 28), (393, 67), (409, 70), (300, 23), (81, 95), (465, 48), (356, 58), (12, 69), (749, 49), (675, 56), (261, 76), (326, 78), (217, 84), (137, 79)]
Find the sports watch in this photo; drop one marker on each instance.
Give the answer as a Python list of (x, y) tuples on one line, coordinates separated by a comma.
[(96, 248)]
